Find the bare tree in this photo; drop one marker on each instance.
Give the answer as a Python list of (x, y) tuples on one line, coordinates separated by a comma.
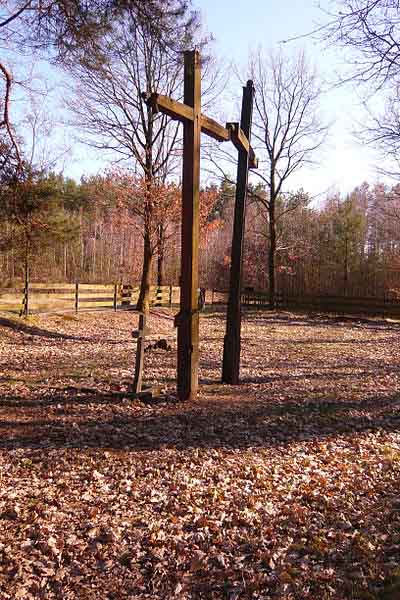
[(371, 30), (288, 131), (68, 30), (110, 109)]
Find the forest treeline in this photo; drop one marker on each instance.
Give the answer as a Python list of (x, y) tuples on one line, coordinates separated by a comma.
[(124, 224), (92, 231)]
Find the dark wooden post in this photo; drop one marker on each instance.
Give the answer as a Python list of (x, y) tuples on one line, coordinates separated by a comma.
[(188, 319), (231, 360), (115, 300), (76, 296), (159, 296), (25, 301)]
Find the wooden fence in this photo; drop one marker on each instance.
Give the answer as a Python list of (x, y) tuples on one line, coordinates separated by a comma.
[(74, 297), (386, 306)]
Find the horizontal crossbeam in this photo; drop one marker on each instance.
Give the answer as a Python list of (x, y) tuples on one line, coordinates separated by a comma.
[(182, 112), (172, 108), (240, 142), (214, 129)]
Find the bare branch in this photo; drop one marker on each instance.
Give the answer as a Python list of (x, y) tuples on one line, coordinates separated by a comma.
[(5, 122)]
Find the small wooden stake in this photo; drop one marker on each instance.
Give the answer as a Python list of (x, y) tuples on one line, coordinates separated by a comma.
[(231, 360), (138, 377)]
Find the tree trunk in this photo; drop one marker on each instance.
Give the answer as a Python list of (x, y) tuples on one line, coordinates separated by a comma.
[(272, 252), (345, 268), (65, 262), (144, 294), (25, 311), (160, 257)]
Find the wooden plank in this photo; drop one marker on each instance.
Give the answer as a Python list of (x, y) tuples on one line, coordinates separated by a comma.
[(5, 291), (232, 341), (10, 306), (96, 299), (241, 142), (238, 138), (214, 129), (54, 296), (188, 319), (168, 106), (253, 160), (53, 286), (182, 112), (90, 287), (50, 291)]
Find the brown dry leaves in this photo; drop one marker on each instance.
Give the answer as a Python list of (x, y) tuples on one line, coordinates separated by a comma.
[(285, 487)]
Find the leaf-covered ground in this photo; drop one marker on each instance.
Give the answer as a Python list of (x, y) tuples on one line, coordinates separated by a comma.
[(284, 487)]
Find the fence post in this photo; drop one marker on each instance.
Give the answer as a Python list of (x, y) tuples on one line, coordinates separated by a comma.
[(126, 295), (115, 296), (76, 297), (25, 300), (159, 295)]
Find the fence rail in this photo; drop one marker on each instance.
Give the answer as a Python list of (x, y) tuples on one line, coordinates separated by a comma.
[(75, 297), (385, 306)]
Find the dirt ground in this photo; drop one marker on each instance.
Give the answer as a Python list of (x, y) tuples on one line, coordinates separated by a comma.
[(286, 486)]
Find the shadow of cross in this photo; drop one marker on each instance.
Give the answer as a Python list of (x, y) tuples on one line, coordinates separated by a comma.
[(194, 122)]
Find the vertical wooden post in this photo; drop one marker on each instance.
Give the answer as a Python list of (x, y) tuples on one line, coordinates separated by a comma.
[(25, 302), (115, 297), (76, 297), (141, 339), (231, 360), (188, 319), (126, 295), (159, 296)]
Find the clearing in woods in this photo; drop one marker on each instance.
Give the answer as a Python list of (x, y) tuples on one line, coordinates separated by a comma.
[(283, 487)]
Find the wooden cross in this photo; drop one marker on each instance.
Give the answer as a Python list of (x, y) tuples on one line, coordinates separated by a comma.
[(194, 122)]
